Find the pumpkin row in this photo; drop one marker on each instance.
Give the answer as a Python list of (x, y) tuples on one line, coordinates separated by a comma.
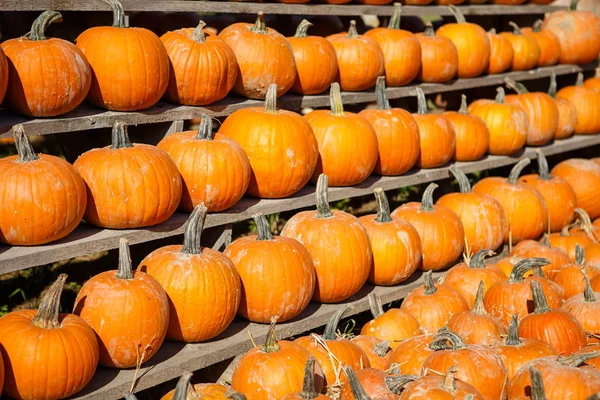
[(128, 69)]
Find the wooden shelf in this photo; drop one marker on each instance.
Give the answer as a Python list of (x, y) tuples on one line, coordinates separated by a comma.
[(87, 239), (88, 118)]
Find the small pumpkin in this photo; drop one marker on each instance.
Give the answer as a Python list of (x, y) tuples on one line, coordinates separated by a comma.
[(435, 387), (567, 113), (592, 254), (501, 55), (583, 226), (378, 351), (115, 304), (410, 354), (371, 383), (441, 232), (548, 41), (309, 391), (526, 49), (569, 276), (584, 177), (439, 57), (585, 101), (531, 248), (568, 242), (594, 81), (360, 59), (213, 391), (472, 134), (585, 307)]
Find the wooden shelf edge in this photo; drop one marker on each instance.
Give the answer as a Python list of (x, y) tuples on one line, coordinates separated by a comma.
[(85, 239)]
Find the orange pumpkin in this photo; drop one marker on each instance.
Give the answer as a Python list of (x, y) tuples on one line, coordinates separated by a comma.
[(401, 51), (33, 184), (433, 304), (435, 387), (378, 351), (594, 81), (584, 178), (130, 66), (115, 304), (288, 147), (213, 391), (585, 307), (36, 342), (508, 124), (140, 184), (437, 136), (501, 55), (592, 254), (548, 41), (46, 77), (340, 274), (392, 126), (360, 59), (532, 248), (412, 353), (472, 134), (585, 100), (569, 242), (226, 175), (525, 208), (371, 383), (592, 362), (347, 143), (471, 41), (567, 113), (202, 284), (308, 385), (441, 232), (316, 62), (541, 109), (507, 264), (439, 57), (526, 49), (264, 58), (572, 277), (481, 215)]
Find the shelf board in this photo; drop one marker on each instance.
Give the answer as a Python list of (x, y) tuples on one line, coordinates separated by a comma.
[(87, 239), (88, 118)]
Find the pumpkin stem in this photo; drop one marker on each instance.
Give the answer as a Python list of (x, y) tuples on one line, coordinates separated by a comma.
[(262, 226), (270, 345), (193, 230), (352, 32), (183, 386), (120, 138), (24, 148), (130, 396), (427, 200), (478, 307), (259, 26), (538, 271), (597, 73), (375, 305), (516, 86), (396, 16), (492, 31), (41, 23), (579, 255), (323, 210), (382, 100), (383, 207), (545, 240), (513, 178), (118, 14), (460, 18), (537, 26), (573, 5), (124, 270), (271, 99), (429, 31), (449, 382), (500, 95), (232, 394), (539, 298), (332, 324), (585, 223), (463, 105), (396, 383), (47, 315), (553, 86), (588, 293), (428, 284), (478, 260), (516, 29), (335, 100), (422, 101), (302, 29), (205, 128), (565, 229), (579, 81), (576, 360), (513, 332), (595, 396), (308, 386), (445, 336), (382, 348), (461, 178), (524, 265), (357, 390), (537, 385), (198, 34), (543, 170)]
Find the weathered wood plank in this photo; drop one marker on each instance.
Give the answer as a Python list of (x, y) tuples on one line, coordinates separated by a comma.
[(86, 239)]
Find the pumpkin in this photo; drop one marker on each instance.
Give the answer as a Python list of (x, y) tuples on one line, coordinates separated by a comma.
[(476, 365), (333, 353), (472, 44), (516, 352), (592, 362), (284, 284), (477, 326), (472, 134), (441, 232), (31, 185), (401, 51), (340, 274), (202, 284), (36, 342), (378, 351), (130, 66), (526, 49), (434, 387), (585, 308), (548, 42), (594, 81), (274, 369), (584, 178), (395, 243), (531, 248), (508, 124), (568, 242), (222, 181), (371, 383), (392, 126), (139, 186), (439, 57), (308, 385), (433, 304), (467, 276), (213, 391), (585, 100), (264, 58), (541, 110), (567, 113), (394, 326), (501, 54), (557, 193), (569, 276), (115, 305), (360, 59), (45, 77), (410, 354), (290, 151), (481, 215), (507, 263), (525, 208), (554, 326), (578, 33), (316, 62), (592, 254), (348, 147)]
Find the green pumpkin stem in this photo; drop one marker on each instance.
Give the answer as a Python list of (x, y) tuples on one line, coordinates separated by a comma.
[(537, 385), (335, 100), (579, 81), (461, 178), (308, 385), (47, 314), (500, 95), (232, 394), (445, 336), (332, 324), (382, 100), (271, 99), (382, 348), (427, 200), (478, 307), (428, 285), (262, 226), (464, 109), (422, 102), (513, 178), (553, 86), (205, 130), (524, 265), (429, 31), (539, 298), (24, 148), (198, 33), (512, 339), (383, 206), (460, 18), (516, 29), (357, 390), (120, 138), (538, 271), (537, 26), (193, 230), (449, 382), (302, 29), (573, 5), (270, 345), (118, 13), (375, 305), (478, 260), (516, 86), (41, 23), (323, 210), (588, 293), (543, 170), (352, 32), (183, 386), (260, 26), (124, 271), (397, 382), (396, 17), (576, 360)]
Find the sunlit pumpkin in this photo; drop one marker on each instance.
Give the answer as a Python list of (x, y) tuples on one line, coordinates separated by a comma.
[(584, 177), (410, 354), (567, 113), (439, 57), (572, 277), (501, 55), (532, 248), (526, 49), (585, 100), (472, 134), (548, 41), (378, 351), (585, 307)]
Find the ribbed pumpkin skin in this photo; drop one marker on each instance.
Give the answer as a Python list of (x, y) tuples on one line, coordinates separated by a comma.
[(515, 356), (501, 56), (465, 280), (395, 325), (526, 51), (472, 136), (30, 189), (569, 243), (472, 44), (592, 83), (438, 140), (570, 277), (585, 100), (532, 248), (4, 74), (439, 59), (549, 46), (367, 344), (542, 113), (477, 328), (567, 119), (316, 64), (557, 328), (584, 178), (592, 254), (373, 382), (201, 72), (208, 391), (586, 314), (430, 388), (412, 353), (129, 187), (130, 67)]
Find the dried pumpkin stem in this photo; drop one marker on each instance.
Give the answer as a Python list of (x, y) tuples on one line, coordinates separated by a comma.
[(585, 223), (537, 26), (460, 18), (382, 100), (375, 305), (461, 178), (262, 226), (332, 324), (396, 383), (118, 14), (383, 207), (302, 29), (205, 129), (270, 345), (427, 200), (335, 100), (579, 255), (382, 348), (478, 307), (500, 95), (232, 394), (120, 138), (539, 298), (516, 29), (464, 109), (429, 31), (41, 23), (308, 385), (428, 285), (478, 260), (524, 265), (193, 230), (512, 339), (543, 170), (352, 32), (449, 382), (588, 293), (579, 81), (538, 271), (492, 31), (513, 178), (260, 26), (271, 99), (396, 16), (553, 86), (183, 386), (323, 210), (545, 241), (421, 101), (573, 5), (198, 33), (537, 385), (24, 148), (357, 390), (124, 270), (445, 336), (516, 86), (47, 314), (576, 360)]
